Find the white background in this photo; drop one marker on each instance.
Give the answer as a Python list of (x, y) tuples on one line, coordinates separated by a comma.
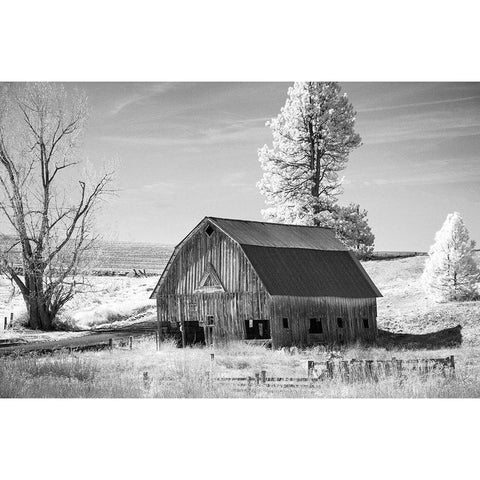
[(249, 40)]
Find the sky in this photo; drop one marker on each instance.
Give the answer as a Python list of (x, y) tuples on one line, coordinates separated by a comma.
[(183, 151)]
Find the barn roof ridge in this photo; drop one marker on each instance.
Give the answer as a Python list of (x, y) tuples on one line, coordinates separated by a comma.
[(268, 234), (266, 223)]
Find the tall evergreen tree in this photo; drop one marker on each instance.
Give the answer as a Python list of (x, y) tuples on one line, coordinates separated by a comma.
[(312, 138), (352, 228), (450, 270)]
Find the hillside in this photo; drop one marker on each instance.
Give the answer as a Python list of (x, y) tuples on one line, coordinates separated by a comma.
[(405, 308)]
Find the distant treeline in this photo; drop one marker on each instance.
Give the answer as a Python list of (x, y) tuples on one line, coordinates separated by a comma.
[(384, 255)]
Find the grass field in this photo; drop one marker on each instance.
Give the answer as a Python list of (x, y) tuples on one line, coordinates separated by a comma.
[(176, 373)]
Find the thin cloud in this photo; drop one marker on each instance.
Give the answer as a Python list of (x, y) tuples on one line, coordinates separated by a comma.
[(428, 178), (429, 134), (149, 90), (417, 104), (228, 132)]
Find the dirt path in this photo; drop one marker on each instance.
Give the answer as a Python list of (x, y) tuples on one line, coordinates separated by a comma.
[(89, 341)]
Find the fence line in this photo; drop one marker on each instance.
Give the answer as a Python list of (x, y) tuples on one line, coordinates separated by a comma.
[(353, 370), (348, 371), (6, 324)]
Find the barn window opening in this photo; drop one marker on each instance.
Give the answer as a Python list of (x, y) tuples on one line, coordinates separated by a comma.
[(285, 322), (209, 230), (257, 329), (316, 325), (340, 322), (365, 323)]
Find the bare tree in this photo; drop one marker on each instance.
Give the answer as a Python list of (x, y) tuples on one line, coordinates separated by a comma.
[(48, 210)]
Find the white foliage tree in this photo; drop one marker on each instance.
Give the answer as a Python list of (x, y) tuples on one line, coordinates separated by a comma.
[(352, 228), (450, 270), (312, 138), (47, 200)]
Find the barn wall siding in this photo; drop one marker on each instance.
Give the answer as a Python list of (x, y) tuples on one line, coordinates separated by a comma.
[(299, 310)]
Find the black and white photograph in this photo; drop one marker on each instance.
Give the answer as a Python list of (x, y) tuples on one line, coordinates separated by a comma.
[(279, 274), (232, 258)]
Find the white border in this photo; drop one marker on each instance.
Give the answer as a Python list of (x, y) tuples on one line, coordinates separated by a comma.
[(249, 40)]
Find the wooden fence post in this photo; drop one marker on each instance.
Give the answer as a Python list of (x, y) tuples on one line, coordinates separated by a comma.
[(257, 378), (354, 369), (369, 365), (212, 361), (330, 369), (5, 324), (310, 367), (146, 380), (452, 365), (425, 366), (183, 334), (110, 343), (264, 376), (387, 368), (415, 365), (11, 320), (130, 342)]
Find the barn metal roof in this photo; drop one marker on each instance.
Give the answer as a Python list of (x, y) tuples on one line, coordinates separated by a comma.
[(293, 260), (305, 272), (265, 234)]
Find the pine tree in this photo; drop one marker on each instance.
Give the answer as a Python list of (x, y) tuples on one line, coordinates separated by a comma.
[(450, 270), (312, 138), (352, 228)]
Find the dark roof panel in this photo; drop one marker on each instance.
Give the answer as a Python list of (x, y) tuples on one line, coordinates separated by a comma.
[(267, 234), (305, 272)]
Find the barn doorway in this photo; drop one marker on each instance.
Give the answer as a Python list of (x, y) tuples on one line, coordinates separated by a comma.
[(341, 330), (194, 333), (257, 329)]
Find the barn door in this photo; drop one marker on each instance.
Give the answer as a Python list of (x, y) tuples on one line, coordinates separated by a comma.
[(209, 326)]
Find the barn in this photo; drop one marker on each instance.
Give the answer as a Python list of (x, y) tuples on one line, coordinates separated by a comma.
[(265, 282)]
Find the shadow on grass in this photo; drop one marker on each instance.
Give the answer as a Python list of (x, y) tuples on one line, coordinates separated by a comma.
[(448, 337)]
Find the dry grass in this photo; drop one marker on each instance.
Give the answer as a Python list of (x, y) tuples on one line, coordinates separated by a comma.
[(406, 308), (177, 373)]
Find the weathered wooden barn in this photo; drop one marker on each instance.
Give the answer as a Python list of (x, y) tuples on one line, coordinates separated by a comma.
[(292, 285)]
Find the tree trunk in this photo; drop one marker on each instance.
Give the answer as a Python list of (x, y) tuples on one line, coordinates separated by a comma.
[(39, 315)]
